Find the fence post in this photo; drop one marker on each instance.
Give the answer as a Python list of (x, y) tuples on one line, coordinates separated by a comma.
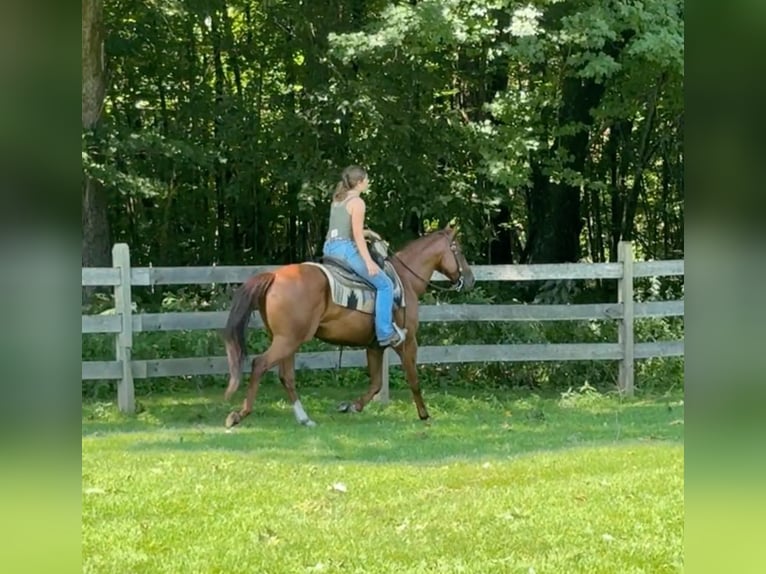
[(123, 306), (626, 297), (383, 395)]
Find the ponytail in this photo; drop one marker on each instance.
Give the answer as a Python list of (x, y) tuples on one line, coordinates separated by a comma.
[(350, 177), (341, 191)]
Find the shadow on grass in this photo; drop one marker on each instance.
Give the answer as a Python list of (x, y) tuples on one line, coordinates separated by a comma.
[(463, 426)]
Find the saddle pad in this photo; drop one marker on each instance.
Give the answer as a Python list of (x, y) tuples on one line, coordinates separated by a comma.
[(351, 291)]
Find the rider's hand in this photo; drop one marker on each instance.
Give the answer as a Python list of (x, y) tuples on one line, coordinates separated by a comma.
[(372, 268)]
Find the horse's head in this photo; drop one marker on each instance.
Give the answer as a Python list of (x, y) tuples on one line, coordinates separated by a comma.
[(453, 264)]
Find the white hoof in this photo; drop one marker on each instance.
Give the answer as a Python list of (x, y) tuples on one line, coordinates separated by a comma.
[(301, 416)]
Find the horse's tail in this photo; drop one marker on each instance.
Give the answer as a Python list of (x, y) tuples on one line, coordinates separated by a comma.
[(247, 297)]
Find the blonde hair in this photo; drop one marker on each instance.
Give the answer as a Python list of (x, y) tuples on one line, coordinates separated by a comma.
[(349, 179)]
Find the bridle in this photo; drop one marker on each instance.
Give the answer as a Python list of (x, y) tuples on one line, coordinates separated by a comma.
[(457, 285)]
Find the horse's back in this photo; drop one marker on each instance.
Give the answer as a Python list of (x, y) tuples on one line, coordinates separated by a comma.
[(299, 283), (300, 276)]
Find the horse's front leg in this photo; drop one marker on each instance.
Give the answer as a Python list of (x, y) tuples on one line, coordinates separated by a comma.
[(375, 368), (408, 352)]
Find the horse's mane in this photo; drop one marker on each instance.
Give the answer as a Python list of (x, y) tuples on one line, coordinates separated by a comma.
[(423, 240)]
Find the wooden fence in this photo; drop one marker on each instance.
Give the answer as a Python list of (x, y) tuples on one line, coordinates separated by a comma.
[(124, 323)]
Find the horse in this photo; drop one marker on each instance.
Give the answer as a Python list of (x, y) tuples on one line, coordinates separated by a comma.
[(296, 305)]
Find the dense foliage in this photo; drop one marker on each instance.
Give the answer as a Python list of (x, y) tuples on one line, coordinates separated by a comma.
[(550, 129)]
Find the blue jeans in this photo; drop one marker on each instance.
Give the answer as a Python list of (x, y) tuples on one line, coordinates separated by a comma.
[(346, 250)]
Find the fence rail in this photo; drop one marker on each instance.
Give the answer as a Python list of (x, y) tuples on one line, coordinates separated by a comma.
[(123, 323), (150, 276), (206, 320)]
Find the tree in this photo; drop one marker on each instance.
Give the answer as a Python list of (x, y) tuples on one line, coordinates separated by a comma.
[(95, 224)]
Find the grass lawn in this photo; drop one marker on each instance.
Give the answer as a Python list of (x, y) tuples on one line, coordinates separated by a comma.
[(498, 482)]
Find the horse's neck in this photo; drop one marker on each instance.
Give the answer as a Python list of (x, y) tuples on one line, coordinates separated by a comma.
[(421, 262)]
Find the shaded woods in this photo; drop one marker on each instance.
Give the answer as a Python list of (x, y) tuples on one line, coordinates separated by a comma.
[(213, 130)]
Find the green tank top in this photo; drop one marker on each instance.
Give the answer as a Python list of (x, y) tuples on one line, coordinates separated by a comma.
[(340, 221)]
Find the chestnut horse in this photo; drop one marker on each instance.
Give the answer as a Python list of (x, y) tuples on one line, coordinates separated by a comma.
[(296, 306)]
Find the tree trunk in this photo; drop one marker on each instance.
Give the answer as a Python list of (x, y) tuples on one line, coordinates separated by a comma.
[(95, 224), (619, 132), (665, 203), (554, 220), (554, 207), (218, 83), (598, 226), (501, 247)]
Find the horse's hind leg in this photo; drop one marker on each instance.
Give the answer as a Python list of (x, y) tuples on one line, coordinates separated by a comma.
[(280, 348), (287, 377)]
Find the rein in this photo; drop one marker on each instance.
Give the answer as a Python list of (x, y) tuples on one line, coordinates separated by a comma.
[(456, 285)]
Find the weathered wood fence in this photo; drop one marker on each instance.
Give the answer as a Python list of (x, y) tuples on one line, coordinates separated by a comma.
[(124, 323)]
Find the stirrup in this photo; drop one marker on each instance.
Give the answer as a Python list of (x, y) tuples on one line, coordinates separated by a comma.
[(396, 339)]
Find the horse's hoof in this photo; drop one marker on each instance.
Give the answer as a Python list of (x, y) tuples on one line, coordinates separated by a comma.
[(233, 419), (344, 407), (309, 423)]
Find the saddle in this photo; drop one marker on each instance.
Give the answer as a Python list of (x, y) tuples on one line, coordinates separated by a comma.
[(353, 291)]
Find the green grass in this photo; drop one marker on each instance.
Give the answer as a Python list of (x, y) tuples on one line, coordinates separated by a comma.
[(498, 482)]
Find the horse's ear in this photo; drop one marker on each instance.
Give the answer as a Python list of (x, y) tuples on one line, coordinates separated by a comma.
[(451, 227)]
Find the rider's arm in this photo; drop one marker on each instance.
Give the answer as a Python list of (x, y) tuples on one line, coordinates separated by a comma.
[(357, 208)]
